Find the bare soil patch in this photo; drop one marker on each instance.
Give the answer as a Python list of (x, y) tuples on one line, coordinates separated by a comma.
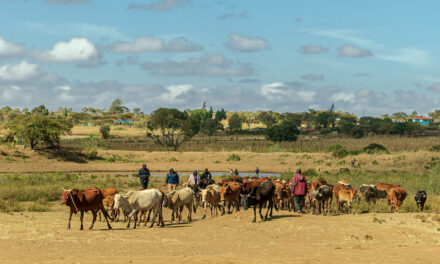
[(287, 238)]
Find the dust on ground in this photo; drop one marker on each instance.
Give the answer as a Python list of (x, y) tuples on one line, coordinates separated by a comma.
[(287, 238)]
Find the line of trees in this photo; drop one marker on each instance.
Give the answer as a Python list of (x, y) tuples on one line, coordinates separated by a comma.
[(171, 127)]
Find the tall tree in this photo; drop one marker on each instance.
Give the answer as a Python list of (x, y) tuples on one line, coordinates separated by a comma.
[(235, 122), (171, 127), (116, 107)]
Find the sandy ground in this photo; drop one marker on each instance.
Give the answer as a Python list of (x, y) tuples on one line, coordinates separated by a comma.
[(287, 238), (128, 162)]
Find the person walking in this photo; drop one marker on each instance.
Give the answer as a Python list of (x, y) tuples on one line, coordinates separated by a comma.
[(236, 172), (172, 180), (257, 172), (352, 162), (144, 176), (299, 190), (193, 179), (231, 173), (206, 175)]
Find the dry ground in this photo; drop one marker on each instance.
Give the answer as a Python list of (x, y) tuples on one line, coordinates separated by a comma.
[(287, 238), (129, 161)]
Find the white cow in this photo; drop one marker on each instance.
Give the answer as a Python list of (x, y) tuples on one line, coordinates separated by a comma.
[(135, 201), (211, 196), (175, 200)]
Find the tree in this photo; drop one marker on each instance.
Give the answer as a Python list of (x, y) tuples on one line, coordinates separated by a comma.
[(35, 129), (286, 131), (208, 127), (268, 118), (435, 114), (235, 122), (105, 131), (40, 110), (117, 108), (136, 110), (220, 115), (174, 126), (324, 119)]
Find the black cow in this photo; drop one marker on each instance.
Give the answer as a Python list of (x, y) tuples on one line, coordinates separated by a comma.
[(259, 196), (371, 193), (322, 196), (420, 198)]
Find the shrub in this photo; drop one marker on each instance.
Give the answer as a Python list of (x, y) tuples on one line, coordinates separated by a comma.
[(310, 172), (92, 154), (341, 153), (334, 147), (435, 148), (286, 131), (105, 131), (374, 148), (374, 162), (233, 157), (275, 148)]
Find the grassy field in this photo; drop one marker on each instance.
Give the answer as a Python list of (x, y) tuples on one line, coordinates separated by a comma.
[(130, 138)]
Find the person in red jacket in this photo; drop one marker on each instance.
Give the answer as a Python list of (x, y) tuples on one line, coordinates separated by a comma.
[(299, 190)]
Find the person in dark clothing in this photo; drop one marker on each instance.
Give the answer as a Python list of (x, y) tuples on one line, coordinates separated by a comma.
[(172, 180), (236, 172), (257, 172), (206, 175), (144, 176)]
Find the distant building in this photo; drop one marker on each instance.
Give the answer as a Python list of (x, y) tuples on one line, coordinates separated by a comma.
[(424, 121), (123, 122)]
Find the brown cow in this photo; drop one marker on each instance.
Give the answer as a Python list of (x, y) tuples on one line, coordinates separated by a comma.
[(83, 201), (108, 195), (336, 188), (282, 195), (346, 196), (386, 186), (230, 193), (395, 198)]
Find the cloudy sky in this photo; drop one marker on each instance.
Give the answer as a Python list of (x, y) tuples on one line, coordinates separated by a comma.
[(366, 57)]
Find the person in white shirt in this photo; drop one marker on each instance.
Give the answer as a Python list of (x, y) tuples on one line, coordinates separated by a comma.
[(194, 179)]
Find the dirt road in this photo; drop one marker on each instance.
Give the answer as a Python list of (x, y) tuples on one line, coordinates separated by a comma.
[(287, 238)]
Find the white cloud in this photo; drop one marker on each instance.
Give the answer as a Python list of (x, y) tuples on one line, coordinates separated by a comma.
[(215, 65), (341, 96), (346, 35), (412, 56), (243, 14), (155, 44), (75, 50), (18, 72), (243, 43), (306, 96), (176, 93), (161, 5), (273, 91), (11, 49), (353, 51), (313, 49)]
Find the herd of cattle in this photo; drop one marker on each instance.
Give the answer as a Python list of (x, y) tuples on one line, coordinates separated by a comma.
[(228, 195)]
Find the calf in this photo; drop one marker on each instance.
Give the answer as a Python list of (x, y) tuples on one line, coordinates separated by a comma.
[(211, 196), (420, 198), (230, 193), (135, 201), (177, 199), (259, 196), (346, 197), (83, 201), (322, 196), (395, 198)]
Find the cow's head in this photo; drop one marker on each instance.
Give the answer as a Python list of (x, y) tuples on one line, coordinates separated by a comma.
[(167, 200), (224, 190), (65, 197), (420, 195)]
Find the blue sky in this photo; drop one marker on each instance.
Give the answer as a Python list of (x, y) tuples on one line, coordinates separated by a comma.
[(370, 57)]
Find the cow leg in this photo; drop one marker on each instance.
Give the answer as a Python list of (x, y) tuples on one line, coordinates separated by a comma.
[(81, 217), (325, 207), (271, 210), (104, 212), (261, 208), (229, 208), (237, 205), (188, 206), (135, 219), (156, 212), (70, 219), (255, 214), (204, 212), (148, 218), (99, 216), (94, 213)]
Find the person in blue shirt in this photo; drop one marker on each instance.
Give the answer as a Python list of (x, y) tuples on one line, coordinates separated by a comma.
[(144, 176), (172, 180)]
